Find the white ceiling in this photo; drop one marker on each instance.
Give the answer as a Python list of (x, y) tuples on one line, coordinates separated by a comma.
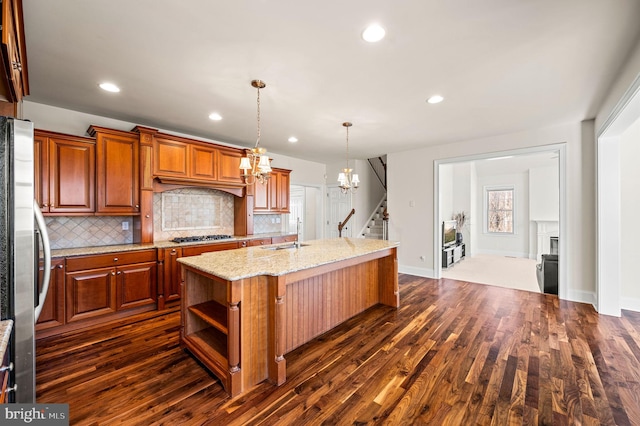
[(502, 66)]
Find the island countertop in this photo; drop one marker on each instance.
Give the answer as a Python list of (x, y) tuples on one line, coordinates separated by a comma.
[(248, 262)]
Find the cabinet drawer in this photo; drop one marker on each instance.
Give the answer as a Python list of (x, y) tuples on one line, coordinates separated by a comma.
[(112, 259), (284, 239), (196, 250), (260, 242)]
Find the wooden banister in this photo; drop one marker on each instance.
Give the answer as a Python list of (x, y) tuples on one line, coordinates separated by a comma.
[(342, 224)]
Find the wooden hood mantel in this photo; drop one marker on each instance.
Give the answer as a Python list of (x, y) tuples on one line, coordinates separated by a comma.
[(162, 184)]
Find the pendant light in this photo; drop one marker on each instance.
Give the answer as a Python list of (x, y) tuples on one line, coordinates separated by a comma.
[(348, 181), (256, 165)]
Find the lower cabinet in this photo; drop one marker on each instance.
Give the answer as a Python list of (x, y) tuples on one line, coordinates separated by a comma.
[(52, 314), (168, 259), (107, 284)]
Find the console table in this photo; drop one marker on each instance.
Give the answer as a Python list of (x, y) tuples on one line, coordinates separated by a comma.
[(452, 254)]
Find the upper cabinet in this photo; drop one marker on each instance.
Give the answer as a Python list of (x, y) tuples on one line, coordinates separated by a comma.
[(185, 160), (170, 157), (117, 171), (14, 82), (64, 173), (273, 196)]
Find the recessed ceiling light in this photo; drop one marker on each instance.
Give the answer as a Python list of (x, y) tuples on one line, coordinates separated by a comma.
[(293, 139), (109, 87), (373, 33), (215, 116), (435, 99)]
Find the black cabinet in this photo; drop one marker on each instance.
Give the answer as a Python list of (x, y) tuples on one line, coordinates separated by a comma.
[(452, 254)]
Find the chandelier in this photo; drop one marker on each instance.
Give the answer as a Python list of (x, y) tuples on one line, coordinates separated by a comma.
[(256, 166), (348, 182)]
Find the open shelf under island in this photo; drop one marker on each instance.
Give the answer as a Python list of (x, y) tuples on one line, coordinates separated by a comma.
[(244, 309)]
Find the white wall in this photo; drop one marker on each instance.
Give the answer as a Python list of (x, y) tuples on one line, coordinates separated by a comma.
[(544, 195), (629, 209), (413, 226), (446, 191), (516, 244)]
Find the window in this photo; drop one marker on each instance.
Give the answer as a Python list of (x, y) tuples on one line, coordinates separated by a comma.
[(499, 210)]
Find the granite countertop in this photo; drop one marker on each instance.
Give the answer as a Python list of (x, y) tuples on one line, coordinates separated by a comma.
[(80, 251), (253, 261), (5, 334)]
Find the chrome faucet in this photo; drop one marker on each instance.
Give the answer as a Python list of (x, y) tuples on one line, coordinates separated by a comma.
[(297, 243)]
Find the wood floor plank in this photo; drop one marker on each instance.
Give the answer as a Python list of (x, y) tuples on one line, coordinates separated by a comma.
[(453, 353)]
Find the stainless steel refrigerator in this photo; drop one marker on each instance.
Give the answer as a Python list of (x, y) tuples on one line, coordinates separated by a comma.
[(24, 244)]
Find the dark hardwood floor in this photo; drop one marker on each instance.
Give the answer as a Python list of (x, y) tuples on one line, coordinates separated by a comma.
[(454, 353)]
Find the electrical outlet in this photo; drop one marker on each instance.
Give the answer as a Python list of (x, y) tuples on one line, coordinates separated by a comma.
[(125, 226)]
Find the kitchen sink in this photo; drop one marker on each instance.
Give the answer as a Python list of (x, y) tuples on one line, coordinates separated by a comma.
[(286, 246)]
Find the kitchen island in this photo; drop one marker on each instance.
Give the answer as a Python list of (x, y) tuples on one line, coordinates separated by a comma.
[(244, 309)]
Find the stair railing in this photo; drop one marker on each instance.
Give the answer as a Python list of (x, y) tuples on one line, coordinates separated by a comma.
[(380, 169), (385, 224), (342, 224), (373, 214)]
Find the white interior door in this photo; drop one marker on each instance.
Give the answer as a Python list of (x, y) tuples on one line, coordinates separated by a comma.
[(339, 206)]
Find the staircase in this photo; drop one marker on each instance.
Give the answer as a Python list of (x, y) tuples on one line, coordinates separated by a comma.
[(375, 228)]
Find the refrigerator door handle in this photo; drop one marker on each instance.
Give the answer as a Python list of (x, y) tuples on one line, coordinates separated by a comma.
[(46, 248)]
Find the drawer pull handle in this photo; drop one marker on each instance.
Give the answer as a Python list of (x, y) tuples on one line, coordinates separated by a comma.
[(115, 259), (60, 266), (6, 367), (113, 272), (119, 272)]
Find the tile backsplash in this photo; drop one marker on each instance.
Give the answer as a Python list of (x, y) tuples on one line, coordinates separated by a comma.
[(191, 211), (177, 213), (87, 231)]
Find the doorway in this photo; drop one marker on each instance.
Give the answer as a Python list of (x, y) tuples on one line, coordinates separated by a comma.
[(536, 225), (305, 204)]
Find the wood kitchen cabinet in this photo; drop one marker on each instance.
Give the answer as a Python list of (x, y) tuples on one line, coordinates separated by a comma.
[(64, 171), (117, 171), (273, 196), (14, 82), (52, 314), (168, 258), (195, 161), (229, 166), (170, 157), (98, 285)]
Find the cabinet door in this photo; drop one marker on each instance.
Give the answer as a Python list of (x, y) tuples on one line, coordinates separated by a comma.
[(170, 158), (274, 192), (284, 191), (171, 267), (71, 176), (136, 285), (41, 171), (261, 196), (14, 48), (117, 166), (52, 313), (203, 162), (90, 293), (229, 166)]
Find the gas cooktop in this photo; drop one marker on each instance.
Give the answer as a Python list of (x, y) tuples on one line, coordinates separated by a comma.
[(196, 238)]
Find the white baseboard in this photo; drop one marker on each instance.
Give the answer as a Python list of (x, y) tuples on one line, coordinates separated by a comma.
[(582, 297), (419, 272), (504, 253), (630, 304)]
